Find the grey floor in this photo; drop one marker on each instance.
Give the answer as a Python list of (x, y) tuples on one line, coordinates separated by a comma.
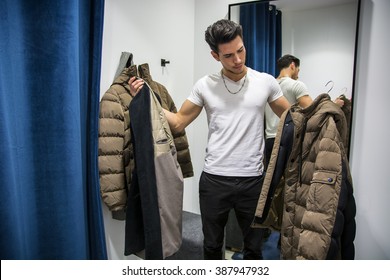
[(192, 248)]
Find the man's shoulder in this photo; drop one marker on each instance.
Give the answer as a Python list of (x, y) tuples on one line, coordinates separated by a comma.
[(203, 84), (291, 82), (286, 80), (259, 75)]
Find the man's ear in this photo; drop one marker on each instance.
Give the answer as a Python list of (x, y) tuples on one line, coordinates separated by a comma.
[(215, 55)]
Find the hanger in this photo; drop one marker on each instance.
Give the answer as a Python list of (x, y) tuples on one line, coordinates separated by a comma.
[(330, 81), (343, 91)]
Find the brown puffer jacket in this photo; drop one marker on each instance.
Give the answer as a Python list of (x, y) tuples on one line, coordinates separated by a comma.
[(116, 158), (307, 192)]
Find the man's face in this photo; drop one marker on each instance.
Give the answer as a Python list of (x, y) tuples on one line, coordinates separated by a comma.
[(232, 56)]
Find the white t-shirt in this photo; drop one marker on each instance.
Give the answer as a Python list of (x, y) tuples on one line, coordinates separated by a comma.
[(236, 121), (292, 90)]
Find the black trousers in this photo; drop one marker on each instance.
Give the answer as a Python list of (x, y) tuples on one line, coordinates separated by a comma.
[(218, 195)]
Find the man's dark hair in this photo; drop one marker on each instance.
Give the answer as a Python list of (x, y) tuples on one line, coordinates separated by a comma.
[(286, 60), (221, 32)]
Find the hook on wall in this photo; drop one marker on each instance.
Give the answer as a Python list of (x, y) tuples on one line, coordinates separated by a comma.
[(164, 62)]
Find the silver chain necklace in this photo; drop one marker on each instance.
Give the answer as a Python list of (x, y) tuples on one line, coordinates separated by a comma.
[(224, 82)]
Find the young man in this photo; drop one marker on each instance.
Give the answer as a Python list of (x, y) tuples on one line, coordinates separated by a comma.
[(294, 90), (234, 100)]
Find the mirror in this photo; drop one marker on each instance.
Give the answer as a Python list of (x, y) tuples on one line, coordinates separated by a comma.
[(323, 35)]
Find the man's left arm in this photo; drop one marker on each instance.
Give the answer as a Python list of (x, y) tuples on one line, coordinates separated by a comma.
[(280, 105)]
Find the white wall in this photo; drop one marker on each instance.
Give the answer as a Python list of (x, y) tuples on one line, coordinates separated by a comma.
[(151, 30), (370, 152), (324, 40), (127, 29)]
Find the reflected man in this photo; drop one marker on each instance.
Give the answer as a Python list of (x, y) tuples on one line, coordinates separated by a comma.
[(294, 90)]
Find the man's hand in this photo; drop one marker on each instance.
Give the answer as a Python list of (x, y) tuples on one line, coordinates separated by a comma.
[(136, 85)]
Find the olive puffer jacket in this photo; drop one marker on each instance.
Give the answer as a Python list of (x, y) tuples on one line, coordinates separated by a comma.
[(307, 192), (116, 158)]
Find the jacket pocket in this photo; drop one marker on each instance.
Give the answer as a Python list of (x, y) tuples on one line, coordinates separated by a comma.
[(324, 177)]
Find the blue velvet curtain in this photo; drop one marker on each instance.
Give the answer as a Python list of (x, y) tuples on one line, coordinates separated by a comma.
[(50, 56), (261, 23)]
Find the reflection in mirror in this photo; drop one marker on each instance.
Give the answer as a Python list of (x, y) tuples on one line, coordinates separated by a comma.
[(261, 23), (322, 34)]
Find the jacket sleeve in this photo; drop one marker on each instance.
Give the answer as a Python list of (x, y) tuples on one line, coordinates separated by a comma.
[(111, 151)]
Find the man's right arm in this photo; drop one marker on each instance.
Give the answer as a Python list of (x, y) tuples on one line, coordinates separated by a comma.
[(177, 121), (302, 95), (180, 120)]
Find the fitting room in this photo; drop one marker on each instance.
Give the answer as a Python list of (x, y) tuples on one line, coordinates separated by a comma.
[(342, 46)]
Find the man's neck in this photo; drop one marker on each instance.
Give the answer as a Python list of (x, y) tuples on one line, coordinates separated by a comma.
[(234, 76), (284, 74)]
